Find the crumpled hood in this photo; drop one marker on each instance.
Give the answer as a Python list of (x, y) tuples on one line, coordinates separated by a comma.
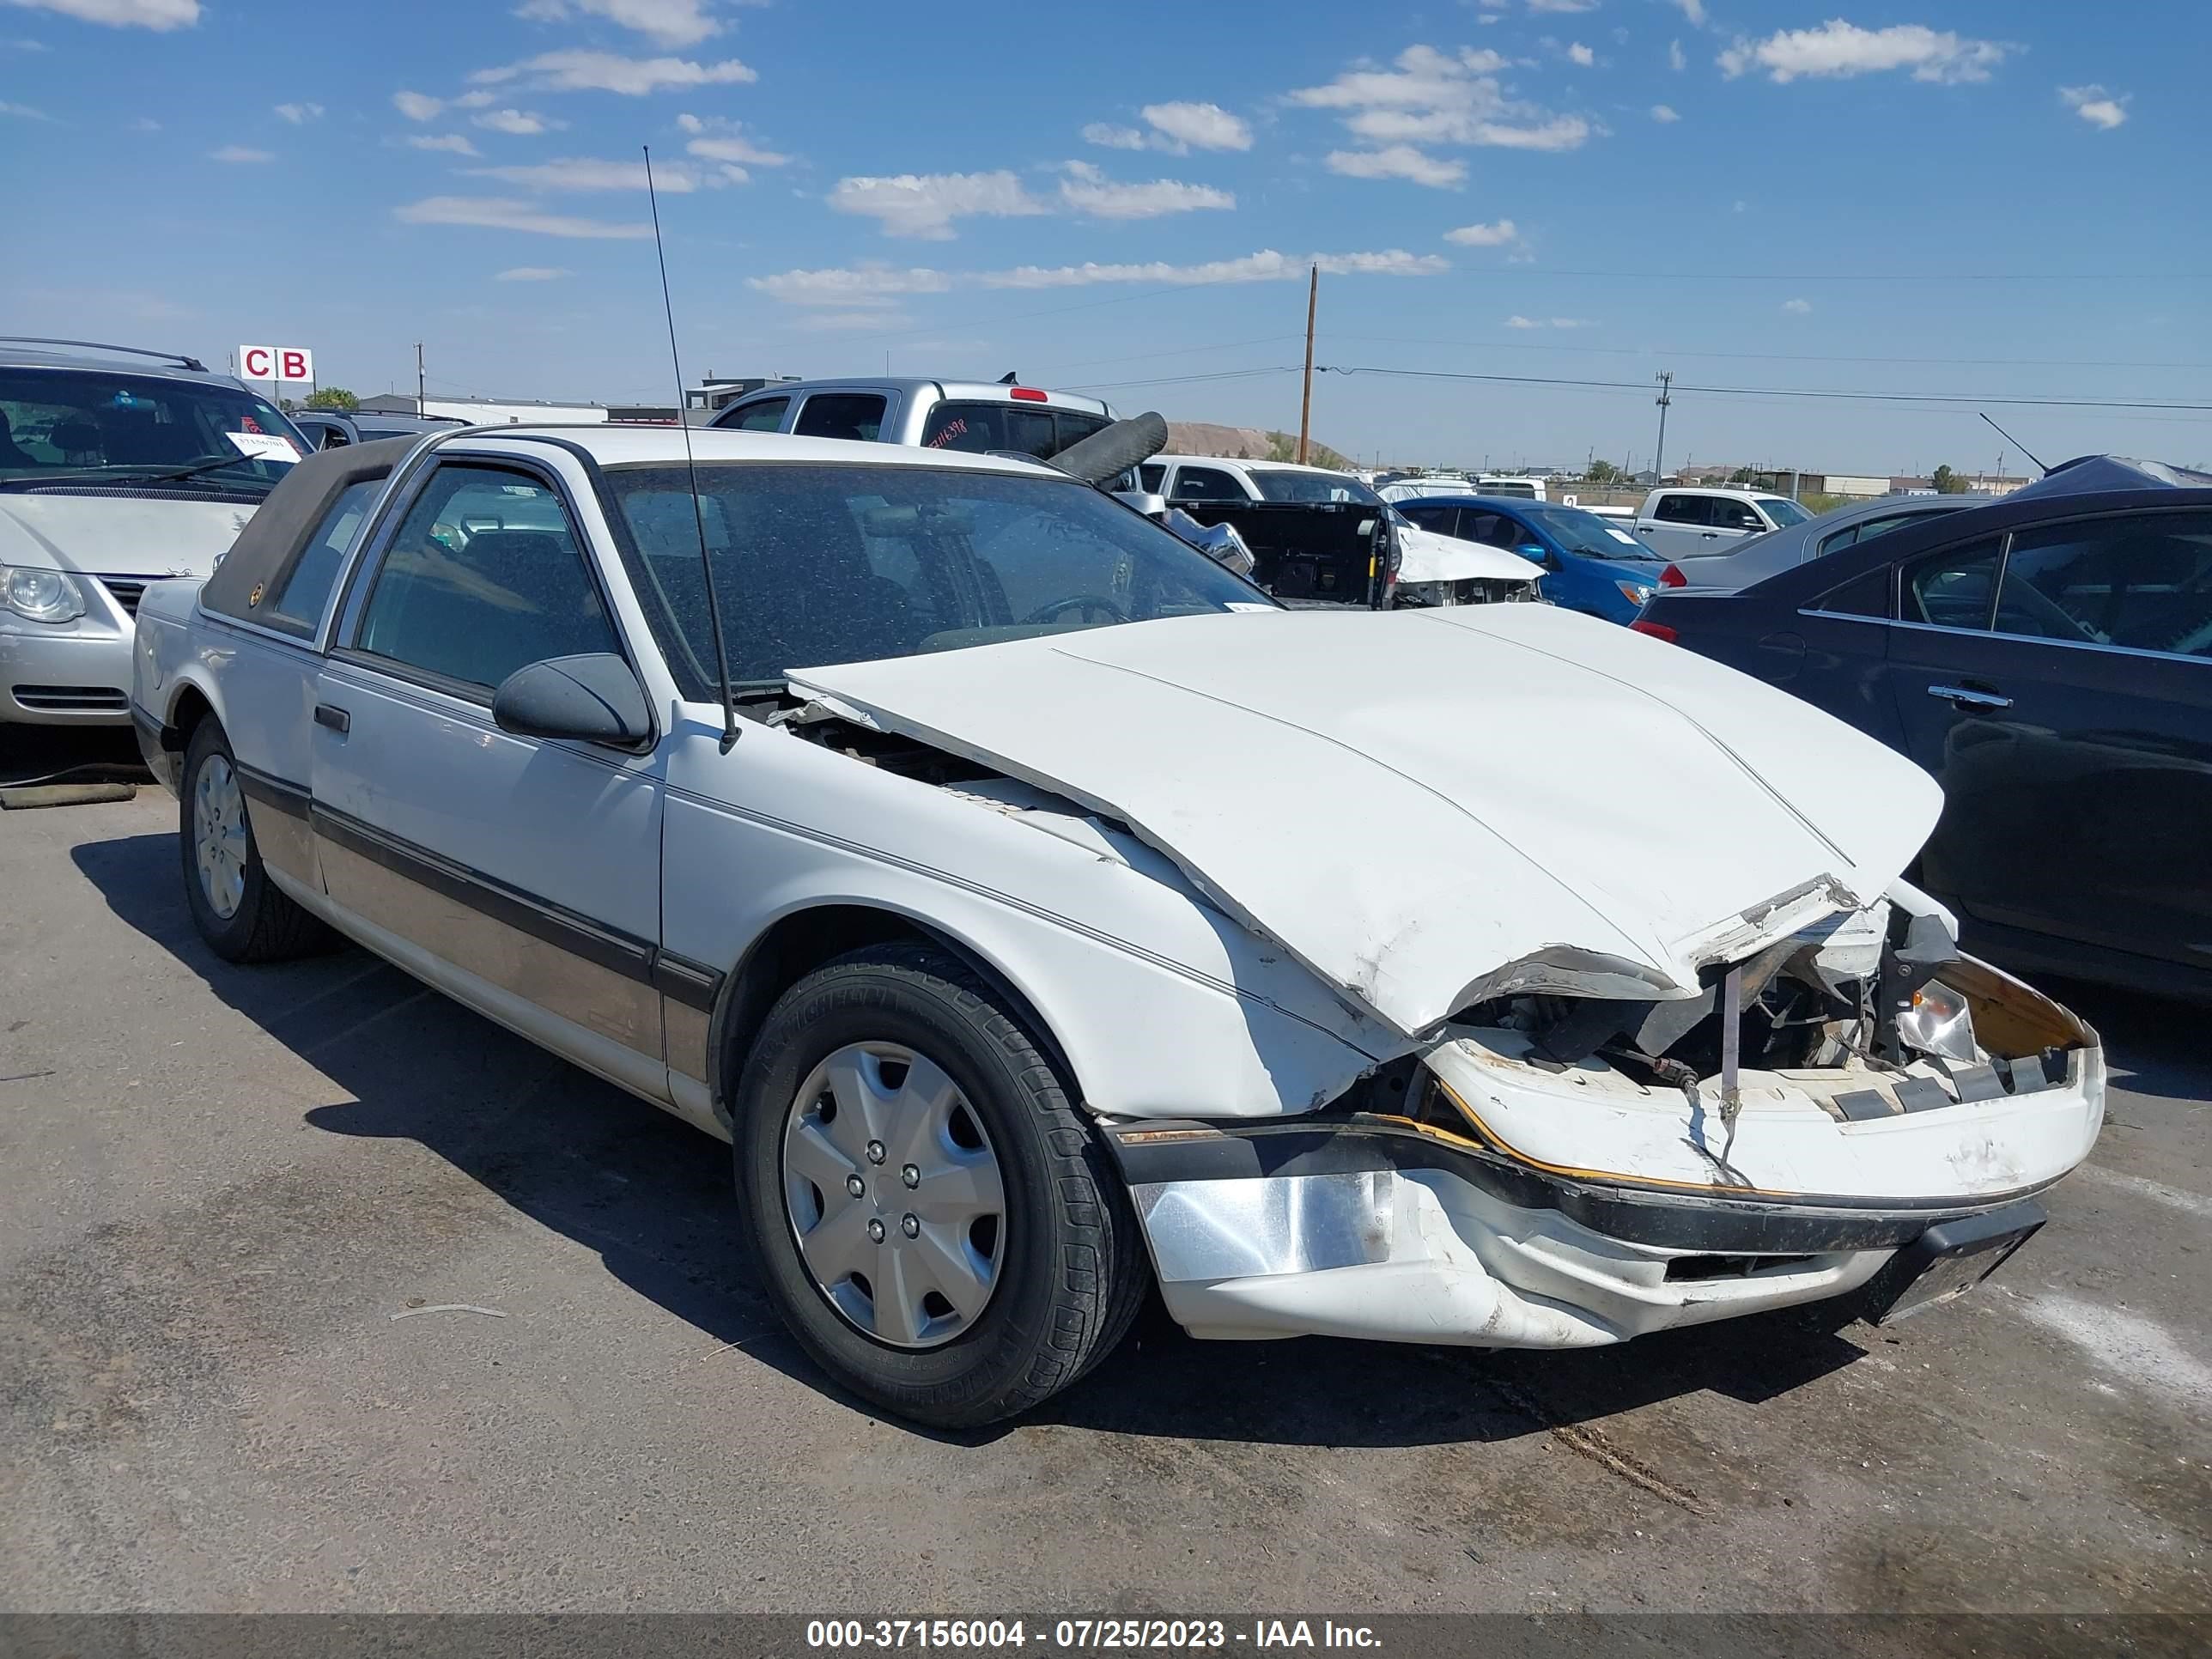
[(1428, 557), (1429, 807), (153, 536)]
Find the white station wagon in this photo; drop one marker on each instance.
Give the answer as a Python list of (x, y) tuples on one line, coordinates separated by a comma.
[(1043, 914)]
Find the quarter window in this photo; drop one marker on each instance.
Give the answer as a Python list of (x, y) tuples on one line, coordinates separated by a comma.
[(1953, 589), (301, 601), (858, 416), (483, 578), (766, 415), (2142, 582), (1205, 483), (1862, 596)]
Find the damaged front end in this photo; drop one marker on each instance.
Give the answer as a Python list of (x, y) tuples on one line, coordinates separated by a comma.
[(1856, 1110)]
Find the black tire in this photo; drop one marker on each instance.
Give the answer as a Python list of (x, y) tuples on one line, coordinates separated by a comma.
[(266, 926), (1072, 1273)]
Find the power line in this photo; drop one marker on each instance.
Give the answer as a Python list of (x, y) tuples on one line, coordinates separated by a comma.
[(1186, 380), (1778, 390), (1773, 356), (1522, 272)]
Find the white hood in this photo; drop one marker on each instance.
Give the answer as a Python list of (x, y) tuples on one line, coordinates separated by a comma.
[(1431, 557), (153, 536), (1428, 807)]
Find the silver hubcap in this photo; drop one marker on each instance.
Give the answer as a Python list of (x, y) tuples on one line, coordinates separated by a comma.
[(219, 836), (894, 1194)]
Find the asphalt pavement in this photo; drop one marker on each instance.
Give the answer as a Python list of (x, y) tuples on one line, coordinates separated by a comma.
[(318, 1292)]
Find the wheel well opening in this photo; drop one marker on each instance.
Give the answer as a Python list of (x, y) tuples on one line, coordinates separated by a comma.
[(802, 942), (191, 708)]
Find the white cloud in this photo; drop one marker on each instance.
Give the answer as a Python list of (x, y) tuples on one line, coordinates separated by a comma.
[(1176, 128), (861, 286), (1664, 113), (300, 114), (1797, 308), (578, 70), (1549, 322), (1108, 137), (1694, 10), (453, 143), (476, 101), (531, 274), (1837, 48), (240, 153), (1397, 162), (2095, 106), (1264, 266), (1201, 126), (1435, 98), (579, 173), (734, 150), (21, 43), (669, 22), (23, 111), (1676, 60), (1497, 235), (417, 106), (1562, 5), (852, 322), (521, 122), (158, 15), (926, 204), (1579, 53), (145, 123), (1089, 191), (498, 212), (876, 288)]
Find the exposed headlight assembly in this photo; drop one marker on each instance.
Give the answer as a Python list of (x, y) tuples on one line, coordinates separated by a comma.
[(40, 596), (1634, 593), (1939, 1023)]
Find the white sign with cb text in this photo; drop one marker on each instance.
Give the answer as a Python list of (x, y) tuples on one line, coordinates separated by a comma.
[(276, 363)]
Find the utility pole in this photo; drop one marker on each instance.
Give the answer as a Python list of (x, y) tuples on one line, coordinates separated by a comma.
[(1666, 399), (419, 383), (1305, 398)]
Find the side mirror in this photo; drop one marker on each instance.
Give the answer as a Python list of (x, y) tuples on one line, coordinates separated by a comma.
[(592, 699)]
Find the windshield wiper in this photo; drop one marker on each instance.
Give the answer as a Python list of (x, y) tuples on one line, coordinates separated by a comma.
[(127, 476)]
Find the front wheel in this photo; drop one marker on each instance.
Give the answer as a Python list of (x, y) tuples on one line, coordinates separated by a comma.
[(933, 1218)]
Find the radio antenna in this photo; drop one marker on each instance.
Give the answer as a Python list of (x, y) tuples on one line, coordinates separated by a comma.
[(2014, 442), (691, 473)]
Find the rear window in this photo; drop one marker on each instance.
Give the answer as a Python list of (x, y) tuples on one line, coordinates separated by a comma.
[(1014, 428), (1276, 485)]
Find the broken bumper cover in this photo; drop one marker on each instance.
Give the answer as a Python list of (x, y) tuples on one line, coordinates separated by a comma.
[(1393, 1229)]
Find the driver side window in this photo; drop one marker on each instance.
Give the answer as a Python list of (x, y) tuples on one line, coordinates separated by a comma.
[(485, 576)]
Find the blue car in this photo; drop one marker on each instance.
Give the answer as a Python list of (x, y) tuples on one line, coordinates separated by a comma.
[(1589, 565)]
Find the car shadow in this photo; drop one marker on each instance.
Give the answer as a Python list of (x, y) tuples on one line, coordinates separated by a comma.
[(653, 1197), (2149, 1041)]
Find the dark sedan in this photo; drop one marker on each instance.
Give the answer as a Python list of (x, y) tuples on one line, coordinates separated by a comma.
[(2048, 658)]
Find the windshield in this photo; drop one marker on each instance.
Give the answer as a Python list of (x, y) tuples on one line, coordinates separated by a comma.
[(1276, 485), (1585, 532), (832, 564), (1783, 510), (58, 423)]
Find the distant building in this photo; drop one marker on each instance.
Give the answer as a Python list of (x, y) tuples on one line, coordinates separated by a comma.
[(491, 411)]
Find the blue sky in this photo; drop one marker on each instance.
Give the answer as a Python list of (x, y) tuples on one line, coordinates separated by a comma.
[(1939, 197)]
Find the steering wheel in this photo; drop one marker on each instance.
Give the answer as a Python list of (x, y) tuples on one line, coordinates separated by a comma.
[(1090, 604)]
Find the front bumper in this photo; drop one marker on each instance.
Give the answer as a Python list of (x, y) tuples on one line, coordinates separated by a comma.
[(75, 674), (1515, 1207)]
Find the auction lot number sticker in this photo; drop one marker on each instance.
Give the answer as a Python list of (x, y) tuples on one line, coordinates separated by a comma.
[(1086, 1635)]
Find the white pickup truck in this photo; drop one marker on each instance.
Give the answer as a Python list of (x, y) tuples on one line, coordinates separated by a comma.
[(1681, 523)]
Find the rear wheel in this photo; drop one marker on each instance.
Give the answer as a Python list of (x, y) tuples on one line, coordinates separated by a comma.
[(933, 1218), (237, 909)]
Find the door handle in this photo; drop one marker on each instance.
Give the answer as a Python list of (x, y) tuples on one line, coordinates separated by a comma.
[(330, 714), (1966, 697)]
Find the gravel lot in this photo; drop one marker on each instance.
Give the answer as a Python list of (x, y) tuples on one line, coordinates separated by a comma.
[(218, 1185)]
